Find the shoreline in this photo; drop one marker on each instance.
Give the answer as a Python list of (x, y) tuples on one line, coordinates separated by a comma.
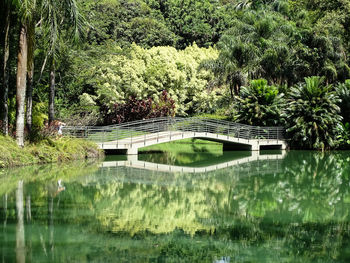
[(46, 151)]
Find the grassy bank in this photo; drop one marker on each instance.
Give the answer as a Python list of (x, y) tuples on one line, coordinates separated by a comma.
[(46, 151)]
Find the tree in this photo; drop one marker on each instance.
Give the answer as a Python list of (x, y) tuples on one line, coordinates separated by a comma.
[(25, 10), (343, 91), (5, 72), (30, 74), (236, 60), (257, 45), (58, 17), (145, 73)]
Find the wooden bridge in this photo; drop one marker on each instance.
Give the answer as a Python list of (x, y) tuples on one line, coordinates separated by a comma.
[(131, 136)]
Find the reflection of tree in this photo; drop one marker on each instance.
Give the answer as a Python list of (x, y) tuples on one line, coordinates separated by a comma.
[(43, 173), (4, 225), (20, 241), (179, 153)]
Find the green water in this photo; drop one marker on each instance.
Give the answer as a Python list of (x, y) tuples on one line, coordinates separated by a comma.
[(294, 208)]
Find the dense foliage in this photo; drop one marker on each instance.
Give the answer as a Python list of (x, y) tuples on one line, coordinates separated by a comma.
[(314, 115), (145, 73), (204, 53), (134, 109), (259, 104), (47, 151)]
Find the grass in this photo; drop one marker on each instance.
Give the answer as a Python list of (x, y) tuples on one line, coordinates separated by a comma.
[(46, 151), (113, 135), (214, 116), (185, 145)]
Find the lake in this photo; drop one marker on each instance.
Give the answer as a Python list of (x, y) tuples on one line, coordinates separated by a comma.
[(192, 203)]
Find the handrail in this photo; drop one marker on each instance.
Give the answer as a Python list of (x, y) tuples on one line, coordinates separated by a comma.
[(155, 126)]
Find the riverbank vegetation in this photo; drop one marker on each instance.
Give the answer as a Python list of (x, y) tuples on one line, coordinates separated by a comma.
[(48, 150), (259, 62)]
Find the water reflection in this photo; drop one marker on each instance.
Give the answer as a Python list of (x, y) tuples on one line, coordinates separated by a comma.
[(290, 209), (157, 162), (20, 241)]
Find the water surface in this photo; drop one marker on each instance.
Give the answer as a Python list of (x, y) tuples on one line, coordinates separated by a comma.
[(294, 208)]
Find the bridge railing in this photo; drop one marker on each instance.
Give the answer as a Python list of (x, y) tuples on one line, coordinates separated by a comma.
[(146, 129)]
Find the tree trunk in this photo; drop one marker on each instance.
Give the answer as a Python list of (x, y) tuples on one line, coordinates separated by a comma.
[(6, 71), (21, 84), (52, 93), (237, 90), (30, 75), (231, 91)]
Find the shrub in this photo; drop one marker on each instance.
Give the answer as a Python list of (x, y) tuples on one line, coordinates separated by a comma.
[(135, 109)]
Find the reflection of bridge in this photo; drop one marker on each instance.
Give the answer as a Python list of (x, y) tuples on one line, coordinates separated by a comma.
[(131, 136), (134, 163)]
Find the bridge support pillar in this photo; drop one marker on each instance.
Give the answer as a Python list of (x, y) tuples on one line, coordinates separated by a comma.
[(132, 151), (255, 147)]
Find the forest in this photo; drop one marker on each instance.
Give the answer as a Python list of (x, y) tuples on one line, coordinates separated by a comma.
[(99, 62)]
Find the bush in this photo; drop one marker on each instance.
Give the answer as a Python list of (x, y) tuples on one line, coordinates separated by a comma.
[(135, 109)]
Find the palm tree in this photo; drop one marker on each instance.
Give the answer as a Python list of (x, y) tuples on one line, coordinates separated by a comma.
[(235, 62), (259, 104), (52, 14), (343, 91), (30, 73), (25, 10), (58, 16), (255, 4), (313, 115)]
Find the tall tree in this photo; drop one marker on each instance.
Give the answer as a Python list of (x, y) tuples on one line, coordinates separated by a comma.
[(30, 73), (5, 73), (52, 91), (235, 62), (25, 10), (58, 17), (21, 83)]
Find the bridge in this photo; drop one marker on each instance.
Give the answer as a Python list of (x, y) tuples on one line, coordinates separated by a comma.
[(131, 136)]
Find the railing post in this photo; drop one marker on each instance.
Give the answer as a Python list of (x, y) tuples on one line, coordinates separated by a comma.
[(130, 132)]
